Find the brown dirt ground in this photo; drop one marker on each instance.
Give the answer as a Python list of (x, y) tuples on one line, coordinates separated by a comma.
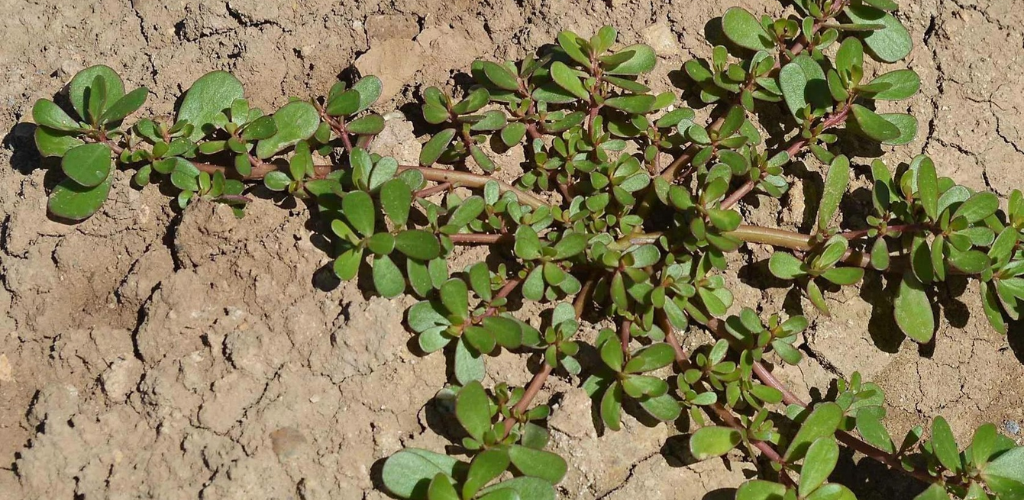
[(150, 354)]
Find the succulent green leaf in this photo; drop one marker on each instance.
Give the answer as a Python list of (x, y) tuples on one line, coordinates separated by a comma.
[(408, 473), (126, 105), (944, 444), (418, 244), (366, 125), (760, 490), (567, 79), (713, 441), (611, 407), (821, 459), (295, 121), (850, 55), (913, 310), (928, 188), (873, 125), (743, 29), (261, 128), (48, 114), (633, 60), (822, 422), (369, 88), (435, 147), (88, 164), (785, 266), (276, 180), (396, 200), (978, 207), (836, 182), (486, 466), (500, 76), (650, 358), (472, 408), (52, 142), (209, 96), (522, 487), (1005, 474), (387, 277), (344, 103), (73, 201), (907, 125), (538, 463), (889, 44), (81, 93), (903, 83)]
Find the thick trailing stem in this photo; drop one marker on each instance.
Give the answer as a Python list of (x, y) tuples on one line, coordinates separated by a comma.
[(453, 177), (481, 239), (474, 181)]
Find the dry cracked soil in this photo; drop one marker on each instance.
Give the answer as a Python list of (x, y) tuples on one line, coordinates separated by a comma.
[(149, 353)]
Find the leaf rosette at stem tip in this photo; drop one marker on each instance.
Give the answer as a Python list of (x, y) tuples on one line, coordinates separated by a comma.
[(624, 214)]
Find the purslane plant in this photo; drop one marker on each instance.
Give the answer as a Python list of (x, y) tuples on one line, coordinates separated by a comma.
[(625, 212)]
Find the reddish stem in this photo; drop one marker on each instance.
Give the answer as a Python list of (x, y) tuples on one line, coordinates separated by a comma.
[(794, 148), (538, 379), (767, 378)]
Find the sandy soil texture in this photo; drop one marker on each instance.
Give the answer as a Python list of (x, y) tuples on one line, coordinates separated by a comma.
[(148, 353)]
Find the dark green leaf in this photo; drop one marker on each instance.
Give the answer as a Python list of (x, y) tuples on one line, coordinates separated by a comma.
[(396, 200), (51, 142), (418, 244), (906, 124), (785, 266), (408, 473), (1005, 475), (80, 93), (472, 408), (636, 59), (73, 201), (435, 147), (48, 114), (369, 88), (387, 277), (486, 467), (978, 207), (902, 83), (500, 76), (873, 125), (944, 444), (760, 490), (567, 79), (276, 181), (343, 104), (88, 164), (366, 125)]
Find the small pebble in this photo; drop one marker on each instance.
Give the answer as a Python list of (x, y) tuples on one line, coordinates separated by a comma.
[(1012, 427)]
